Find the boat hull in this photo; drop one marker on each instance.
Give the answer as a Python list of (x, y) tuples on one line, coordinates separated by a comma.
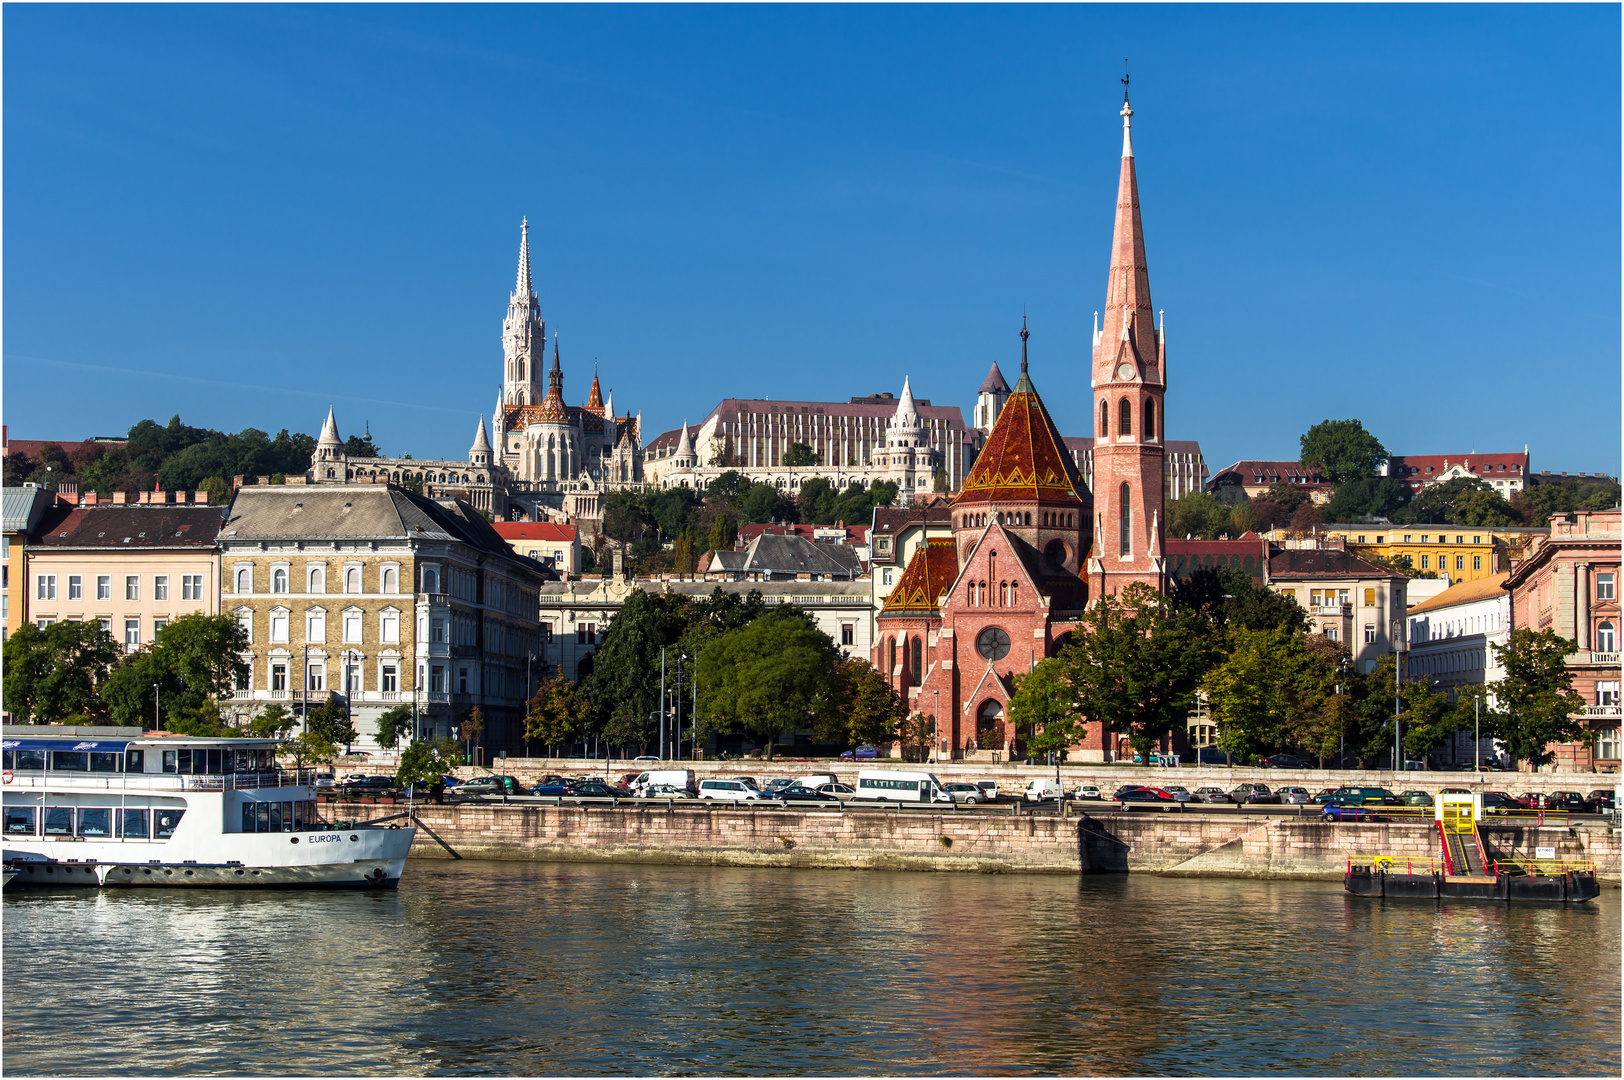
[(1572, 887)]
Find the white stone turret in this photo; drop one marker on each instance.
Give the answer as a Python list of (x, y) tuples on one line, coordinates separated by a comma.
[(905, 427), (524, 334), (480, 452)]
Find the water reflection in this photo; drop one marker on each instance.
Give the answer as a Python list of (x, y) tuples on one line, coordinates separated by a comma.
[(507, 968)]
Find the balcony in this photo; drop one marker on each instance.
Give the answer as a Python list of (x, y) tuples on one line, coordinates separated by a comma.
[(1603, 712), (1581, 658)]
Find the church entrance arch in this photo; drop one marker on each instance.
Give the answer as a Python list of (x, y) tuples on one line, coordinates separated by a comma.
[(990, 725)]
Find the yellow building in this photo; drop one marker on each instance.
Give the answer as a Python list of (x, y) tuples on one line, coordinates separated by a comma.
[(1461, 553), (23, 508)]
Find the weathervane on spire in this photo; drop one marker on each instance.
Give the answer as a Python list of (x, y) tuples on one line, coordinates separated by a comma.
[(1024, 336), (1124, 80)]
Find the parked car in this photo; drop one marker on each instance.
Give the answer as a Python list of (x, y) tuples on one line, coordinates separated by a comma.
[(662, 791), (1211, 795), (1252, 793), (489, 785), (1295, 796), (1351, 808), (776, 783), (1284, 761), (1498, 802), (1125, 787), (1323, 796), (797, 793), (1570, 801), (1371, 796), (748, 781), (839, 791), (1087, 791), (1129, 799), (1415, 798), (1601, 801), (597, 789), (1179, 792), (1454, 791), (1212, 755), (552, 787), (968, 794), (358, 782), (324, 783), (645, 759), (1041, 790), (1532, 800), (728, 791), (988, 788), (862, 753)]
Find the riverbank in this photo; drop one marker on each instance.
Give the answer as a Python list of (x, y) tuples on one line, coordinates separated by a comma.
[(1005, 840)]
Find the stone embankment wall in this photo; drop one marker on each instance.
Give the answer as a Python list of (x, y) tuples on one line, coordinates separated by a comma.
[(1185, 843)]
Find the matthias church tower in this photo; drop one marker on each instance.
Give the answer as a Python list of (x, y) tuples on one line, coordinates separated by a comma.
[(524, 335)]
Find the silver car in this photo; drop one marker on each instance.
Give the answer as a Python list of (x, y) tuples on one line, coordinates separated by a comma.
[(1296, 796), (1211, 795), (1179, 793), (969, 794)]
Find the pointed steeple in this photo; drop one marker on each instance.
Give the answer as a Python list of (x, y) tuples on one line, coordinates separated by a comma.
[(994, 382), (555, 375), (481, 443), (686, 454), (609, 405), (1023, 385), (522, 287), (329, 430), (594, 397), (1128, 334), (552, 406)]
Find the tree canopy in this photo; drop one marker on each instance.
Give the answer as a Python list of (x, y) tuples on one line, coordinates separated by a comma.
[(1461, 501), (1536, 706), (1343, 450), (56, 672), (766, 677)]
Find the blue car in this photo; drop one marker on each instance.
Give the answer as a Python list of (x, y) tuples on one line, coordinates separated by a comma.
[(862, 753)]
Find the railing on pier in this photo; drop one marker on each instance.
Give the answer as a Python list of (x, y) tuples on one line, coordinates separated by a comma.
[(1543, 867)]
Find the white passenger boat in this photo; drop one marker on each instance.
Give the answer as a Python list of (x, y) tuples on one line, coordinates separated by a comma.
[(160, 810)]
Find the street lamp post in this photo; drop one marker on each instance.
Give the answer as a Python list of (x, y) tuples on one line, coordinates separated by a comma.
[(1477, 731), (157, 723), (936, 729)]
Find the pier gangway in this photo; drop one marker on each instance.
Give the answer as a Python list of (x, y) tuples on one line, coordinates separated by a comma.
[(1458, 836)]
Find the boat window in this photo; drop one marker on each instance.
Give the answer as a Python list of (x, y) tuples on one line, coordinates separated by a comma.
[(69, 760), (6, 761), (247, 817), (31, 760), (132, 761), (262, 817), (215, 765), (240, 761), (132, 824), (302, 816), (19, 821), (169, 761), (95, 822), (276, 817), (164, 822), (103, 762), (185, 761), (59, 821)]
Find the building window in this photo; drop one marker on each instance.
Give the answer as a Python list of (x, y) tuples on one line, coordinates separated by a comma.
[(918, 647), (1604, 586), (585, 634), (191, 587), (389, 628), (1124, 525), (160, 587), (76, 587), (462, 680), (45, 587), (352, 627), (389, 678), (104, 587), (1370, 598), (132, 634), (132, 586), (885, 576), (279, 580), (1105, 419), (279, 677), (1125, 418), (158, 627), (436, 679), (279, 627), (1607, 692), (1477, 562), (1331, 633), (1150, 418), (316, 678), (245, 619), (352, 579), (317, 579), (1424, 561), (437, 629), (391, 580), (316, 626), (245, 580), (1605, 640), (848, 633), (1370, 633), (1460, 562), (1607, 744), (431, 579), (547, 632)]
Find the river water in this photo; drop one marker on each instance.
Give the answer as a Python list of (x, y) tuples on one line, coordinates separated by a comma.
[(518, 968)]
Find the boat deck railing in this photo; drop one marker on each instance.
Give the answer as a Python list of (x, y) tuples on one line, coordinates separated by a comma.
[(77, 781), (1543, 867), (1397, 864)]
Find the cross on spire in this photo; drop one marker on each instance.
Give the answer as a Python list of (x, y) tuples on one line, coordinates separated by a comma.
[(1024, 336)]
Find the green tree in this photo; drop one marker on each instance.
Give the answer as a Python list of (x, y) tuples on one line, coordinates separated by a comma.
[(202, 722), (557, 714), (471, 728), (394, 725), (1138, 663), (800, 455), (1045, 703), (55, 672), (1464, 500), (309, 748), (193, 659), (1431, 717), (683, 555), (1536, 704), (940, 482), (1228, 597), (917, 735), (859, 707), (1370, 496), (1199, 515), (623, 688), (331, 723), (765, 503), (728, 488), (424, 763), (766, 677), (361, 446), (1538, 502), (1267, 691), (1343, 450), (724, 532), (273, 722)]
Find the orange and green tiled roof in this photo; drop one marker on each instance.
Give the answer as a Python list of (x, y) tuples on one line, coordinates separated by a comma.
[(931, 572)]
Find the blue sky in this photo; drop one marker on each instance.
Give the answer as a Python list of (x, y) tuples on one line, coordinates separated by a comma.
[(1406, 214)]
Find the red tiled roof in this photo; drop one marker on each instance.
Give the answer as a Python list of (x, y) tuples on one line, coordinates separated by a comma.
[(1025, 458), (1430, 466), (534, 530), (930, 573), (1283, 472)]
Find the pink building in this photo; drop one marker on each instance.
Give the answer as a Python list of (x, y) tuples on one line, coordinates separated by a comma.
[(1569, 583)]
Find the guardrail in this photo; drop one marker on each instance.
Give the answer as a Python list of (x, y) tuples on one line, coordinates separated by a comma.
[(1543, 867), (1409, 864)]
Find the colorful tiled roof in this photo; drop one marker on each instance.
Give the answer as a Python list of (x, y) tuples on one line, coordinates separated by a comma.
[(1025, 457), (930, 573)]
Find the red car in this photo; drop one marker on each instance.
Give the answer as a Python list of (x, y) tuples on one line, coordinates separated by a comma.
[(1143, 795), (1534, 800)]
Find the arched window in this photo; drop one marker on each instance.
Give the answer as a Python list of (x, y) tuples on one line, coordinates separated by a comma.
[(1605, 638), (245, 580), (390, 581), (1013, 586), (352, 579), (1150, 418), (318, 580), (918, 660), (1029, 517), (1105, 419), (1124, 524), (1003, 594), (279, 580), (1125, 418), (891, 664), (431, 579)]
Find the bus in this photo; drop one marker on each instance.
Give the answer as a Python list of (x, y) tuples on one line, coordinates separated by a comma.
[(887, 786)]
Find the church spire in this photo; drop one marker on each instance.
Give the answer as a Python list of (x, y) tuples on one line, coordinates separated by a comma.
[(524, 334), (1128, 332), (522, 287), (555, 376)]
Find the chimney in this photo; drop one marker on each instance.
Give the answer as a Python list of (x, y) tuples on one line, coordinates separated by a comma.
[(144, 498), (201, 498), (120, 498), (236, 482), (263, 481), (89, 498)]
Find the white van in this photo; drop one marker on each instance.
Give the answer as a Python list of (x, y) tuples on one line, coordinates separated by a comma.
[(887, 786), (728, 791), (1044, 790), (816, 780), (677, 778)]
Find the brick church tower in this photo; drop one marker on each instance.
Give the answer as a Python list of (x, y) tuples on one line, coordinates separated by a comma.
[(1129, 382)]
